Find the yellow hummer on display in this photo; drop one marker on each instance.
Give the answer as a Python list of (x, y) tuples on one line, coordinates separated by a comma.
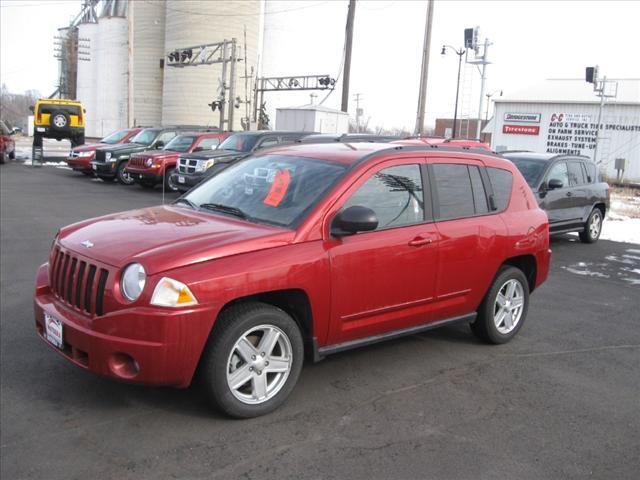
[(59, 119)]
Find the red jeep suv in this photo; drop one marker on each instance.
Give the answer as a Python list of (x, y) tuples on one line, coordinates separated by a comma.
[(156, 166), (299, 250)]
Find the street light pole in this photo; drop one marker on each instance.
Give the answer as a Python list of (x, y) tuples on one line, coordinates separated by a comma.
[(460, 53), (484, 77)]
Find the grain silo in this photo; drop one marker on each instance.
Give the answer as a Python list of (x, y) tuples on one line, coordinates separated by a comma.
[(87, 70), (146, 51), (112, 59), (187, 91)]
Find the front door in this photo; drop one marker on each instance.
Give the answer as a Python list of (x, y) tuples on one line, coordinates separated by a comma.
[(384, 279)]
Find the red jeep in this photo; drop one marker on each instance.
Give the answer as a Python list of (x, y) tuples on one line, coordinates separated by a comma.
[(79, 157), (300, 250), (156, 166), (7, 144)]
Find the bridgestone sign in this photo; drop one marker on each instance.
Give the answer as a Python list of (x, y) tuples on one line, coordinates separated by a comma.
[(522, 117)]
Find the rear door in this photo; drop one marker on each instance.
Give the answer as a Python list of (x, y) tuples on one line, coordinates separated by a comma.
[(469, 233), (384, 280), (578, 191)]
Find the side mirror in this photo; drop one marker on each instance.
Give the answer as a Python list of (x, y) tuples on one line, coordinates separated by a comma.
[(555, 183), (159, 145), (353, 220)]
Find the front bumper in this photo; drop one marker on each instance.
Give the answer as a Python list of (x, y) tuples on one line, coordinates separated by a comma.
[(105, 169), (145, 175), (80, 164), (48, 132), (146, 345), (186, 181)]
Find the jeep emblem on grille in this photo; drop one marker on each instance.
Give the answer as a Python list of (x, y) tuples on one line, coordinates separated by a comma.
[(87, 243)]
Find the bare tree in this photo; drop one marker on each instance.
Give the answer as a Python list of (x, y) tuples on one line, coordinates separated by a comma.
[(14, 107)]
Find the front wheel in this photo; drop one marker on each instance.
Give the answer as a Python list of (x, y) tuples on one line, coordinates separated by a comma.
[(592, 228), (169, 184), (252, 360), (123, 176), (504, 308)]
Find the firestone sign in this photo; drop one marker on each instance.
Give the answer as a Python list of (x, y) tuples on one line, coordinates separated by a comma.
[(521, 129), (522, 117)]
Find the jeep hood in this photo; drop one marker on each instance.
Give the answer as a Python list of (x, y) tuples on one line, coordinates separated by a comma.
[(167, 237), (88, 147), (124, 148), (220, 155)]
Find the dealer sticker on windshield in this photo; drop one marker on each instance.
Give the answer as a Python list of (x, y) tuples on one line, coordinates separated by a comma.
[(53, 330)]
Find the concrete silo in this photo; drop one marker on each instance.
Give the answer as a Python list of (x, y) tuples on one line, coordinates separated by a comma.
[(87, 72), (187, 91), (112, 59), (146, 50)]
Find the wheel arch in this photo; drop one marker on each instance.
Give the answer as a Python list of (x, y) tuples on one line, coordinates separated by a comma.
[(295, 302), (527, 264)]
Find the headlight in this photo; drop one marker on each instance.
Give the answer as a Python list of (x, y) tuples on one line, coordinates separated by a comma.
[(149, 162), (172, 293), (85, 154), (203, 165), (133, 280), (107, 155)]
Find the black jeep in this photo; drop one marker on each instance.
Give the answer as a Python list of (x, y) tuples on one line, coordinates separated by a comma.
[(111, 161), (194, 168), (568, 188)]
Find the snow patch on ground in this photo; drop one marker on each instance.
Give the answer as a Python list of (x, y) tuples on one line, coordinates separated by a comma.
[(622, 223)]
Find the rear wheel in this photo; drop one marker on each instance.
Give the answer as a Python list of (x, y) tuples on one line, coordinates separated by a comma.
[(252, 360), (593, 227), (123, 176), (12, 155), (504, 308)]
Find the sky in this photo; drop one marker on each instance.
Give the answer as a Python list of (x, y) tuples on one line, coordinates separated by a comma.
[(531, 41)]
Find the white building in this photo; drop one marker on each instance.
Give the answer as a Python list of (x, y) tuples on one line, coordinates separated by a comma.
[(312, 118), (560, 116)]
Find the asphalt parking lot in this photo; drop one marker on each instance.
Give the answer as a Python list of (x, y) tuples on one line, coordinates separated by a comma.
[(560, 401)]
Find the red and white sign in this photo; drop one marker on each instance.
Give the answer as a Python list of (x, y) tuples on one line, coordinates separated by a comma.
[(521, 129)]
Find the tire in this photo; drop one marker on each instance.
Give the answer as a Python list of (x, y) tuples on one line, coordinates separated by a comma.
[(12, 155), (59, 120), (495, 322), (169, 184), (3, 158), (223, 352), (593, 227), (123, 177)]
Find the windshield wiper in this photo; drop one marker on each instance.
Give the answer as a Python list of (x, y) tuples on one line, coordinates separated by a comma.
[(225, 209), (187, 202)]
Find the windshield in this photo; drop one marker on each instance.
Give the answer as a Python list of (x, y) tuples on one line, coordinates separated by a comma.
[(181, 143), (146, 136), (531, 169), (115, 137), (239, 142), (272, 189)]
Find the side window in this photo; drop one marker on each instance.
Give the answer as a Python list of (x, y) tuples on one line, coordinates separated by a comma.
[(590, 169), (575, 174), (501, 181), (559, 172), (165, 137), (479, 195), (208, 143), (394, 194), (268, 142), (455, 195)]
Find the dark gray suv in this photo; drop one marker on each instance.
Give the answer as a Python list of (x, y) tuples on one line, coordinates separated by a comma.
[(568, 188)]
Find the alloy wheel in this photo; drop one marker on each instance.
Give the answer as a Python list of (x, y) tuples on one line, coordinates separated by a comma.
[(508, 306), (595, 225), (259, 364)]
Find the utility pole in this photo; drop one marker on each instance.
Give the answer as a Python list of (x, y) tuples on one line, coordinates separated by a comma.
[(232, 84), (484, 78), (347, 56), (358, 111), (422, 96), (602, 97)]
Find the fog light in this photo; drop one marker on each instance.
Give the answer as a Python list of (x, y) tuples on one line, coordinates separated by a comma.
[(123, 365)]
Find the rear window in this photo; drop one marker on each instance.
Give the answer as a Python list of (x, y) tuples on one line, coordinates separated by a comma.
[(591, 172), (501, 181), (70, 109), (455, 193)]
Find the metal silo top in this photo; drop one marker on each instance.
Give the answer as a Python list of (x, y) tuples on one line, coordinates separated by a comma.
[(114, 8)]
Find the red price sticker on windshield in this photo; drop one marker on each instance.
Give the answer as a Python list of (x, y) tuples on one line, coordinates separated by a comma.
[(279, 188)]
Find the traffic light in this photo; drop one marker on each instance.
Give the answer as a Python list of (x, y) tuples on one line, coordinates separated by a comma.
[(471, 37), (591, 74)]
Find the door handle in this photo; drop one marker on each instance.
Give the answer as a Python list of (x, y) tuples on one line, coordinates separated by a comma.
[(569, 194), (419, 241)]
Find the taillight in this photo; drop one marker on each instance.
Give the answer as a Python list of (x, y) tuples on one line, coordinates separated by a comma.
[(39, 116)]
